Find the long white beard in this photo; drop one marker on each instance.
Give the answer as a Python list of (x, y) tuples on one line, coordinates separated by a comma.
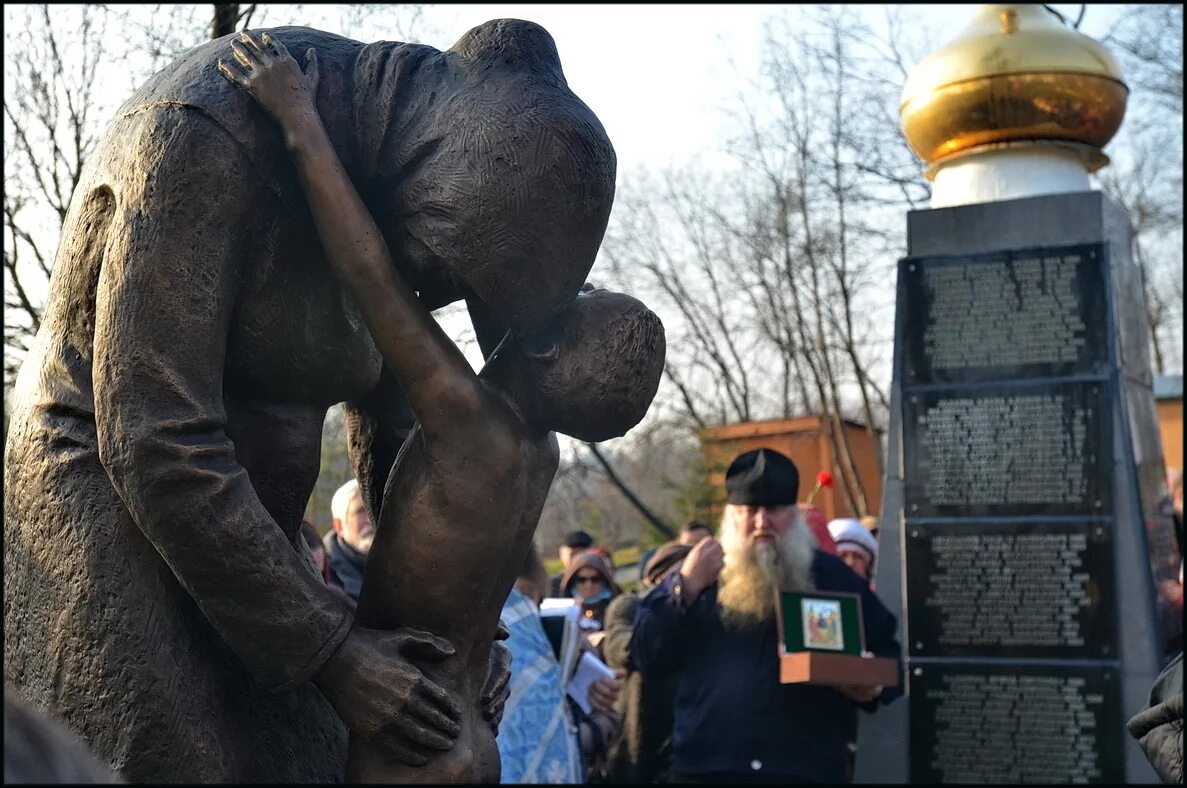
[(753, 572)]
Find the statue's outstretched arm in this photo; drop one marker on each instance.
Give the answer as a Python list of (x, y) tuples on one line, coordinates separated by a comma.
[(434, 376), (164, 304)]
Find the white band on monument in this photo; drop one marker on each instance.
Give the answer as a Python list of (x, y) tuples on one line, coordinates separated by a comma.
[(1007, 171)]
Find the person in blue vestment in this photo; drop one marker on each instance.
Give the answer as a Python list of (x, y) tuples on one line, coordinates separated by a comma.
[(712, 625), (537, 740)]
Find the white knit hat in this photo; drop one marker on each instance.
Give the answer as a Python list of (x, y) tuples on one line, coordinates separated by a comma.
[(848, 531)]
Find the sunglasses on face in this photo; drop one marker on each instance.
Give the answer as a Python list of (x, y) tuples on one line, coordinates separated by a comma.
[(583, 579)]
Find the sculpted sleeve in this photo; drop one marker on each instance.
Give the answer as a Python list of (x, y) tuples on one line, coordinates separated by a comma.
[(662, 631), (165, 300)]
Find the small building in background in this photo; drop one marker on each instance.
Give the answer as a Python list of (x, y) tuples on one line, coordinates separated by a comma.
[(806, 441), (1168, 395)]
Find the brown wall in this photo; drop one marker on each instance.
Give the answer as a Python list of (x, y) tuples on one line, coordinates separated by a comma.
[(1170, 423), (806, 442)]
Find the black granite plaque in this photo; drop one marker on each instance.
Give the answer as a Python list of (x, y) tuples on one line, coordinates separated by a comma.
[(1025, 549), (1011, 314), (974, 723), (1006, 450), (1037, 590)]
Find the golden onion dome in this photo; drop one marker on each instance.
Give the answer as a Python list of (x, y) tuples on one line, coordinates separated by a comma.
[(1016, 72)]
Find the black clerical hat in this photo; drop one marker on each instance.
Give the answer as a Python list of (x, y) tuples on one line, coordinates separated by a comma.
[(762, 477)]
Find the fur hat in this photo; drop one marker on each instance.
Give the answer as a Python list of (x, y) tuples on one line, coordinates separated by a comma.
[(667, 558)]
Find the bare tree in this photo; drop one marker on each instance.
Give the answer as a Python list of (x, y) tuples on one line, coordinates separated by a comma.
[(666, 232), (58, 95), (1149, 40), (776, 276), (51, 106), (1146, 176), (657, 462), (775, 272), (229, 17)]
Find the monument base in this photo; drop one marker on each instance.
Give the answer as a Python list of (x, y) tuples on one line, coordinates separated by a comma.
[(1056, 704), (813, 667)]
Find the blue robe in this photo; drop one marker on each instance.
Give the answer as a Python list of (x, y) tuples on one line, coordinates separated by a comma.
[(537, 740)]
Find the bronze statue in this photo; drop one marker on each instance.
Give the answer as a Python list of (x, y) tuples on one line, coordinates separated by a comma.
[(464, 497), (166, 426)]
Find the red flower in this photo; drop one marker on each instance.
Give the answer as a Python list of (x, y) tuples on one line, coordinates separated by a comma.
[(824, 479)]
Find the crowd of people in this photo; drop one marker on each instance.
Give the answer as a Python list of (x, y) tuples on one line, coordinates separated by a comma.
[(691, 689), (693, 692), (678, 682)]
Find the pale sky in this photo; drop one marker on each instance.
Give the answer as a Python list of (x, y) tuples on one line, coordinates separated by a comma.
[(656, 76), (659, 77)]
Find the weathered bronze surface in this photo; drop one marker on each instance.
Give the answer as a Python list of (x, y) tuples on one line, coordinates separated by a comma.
[(166, 427), (461, 504)]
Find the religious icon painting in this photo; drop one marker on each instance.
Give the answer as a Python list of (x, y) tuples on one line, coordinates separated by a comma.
[(821, 619)]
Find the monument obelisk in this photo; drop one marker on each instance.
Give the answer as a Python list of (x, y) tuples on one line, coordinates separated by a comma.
[(1023, 546)]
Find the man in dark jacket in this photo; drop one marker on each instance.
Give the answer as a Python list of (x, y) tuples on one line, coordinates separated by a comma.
[(644, 753), (350, 541), (713, 625)]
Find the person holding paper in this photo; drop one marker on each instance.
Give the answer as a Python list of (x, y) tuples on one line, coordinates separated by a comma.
[(712, 626), (593, 692), (537, 739), (545, 737)]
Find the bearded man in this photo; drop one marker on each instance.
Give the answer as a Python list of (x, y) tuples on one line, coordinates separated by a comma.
[(713, 624), (348, 544)]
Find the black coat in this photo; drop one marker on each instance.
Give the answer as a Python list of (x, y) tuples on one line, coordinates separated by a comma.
[(644, 753), (732, 713), (1159, 727)]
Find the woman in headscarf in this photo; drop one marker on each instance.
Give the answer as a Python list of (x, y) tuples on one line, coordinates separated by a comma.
[(856, 546), (590, 580)]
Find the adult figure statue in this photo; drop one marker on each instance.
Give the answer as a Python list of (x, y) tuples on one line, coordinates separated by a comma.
[(166, 425)]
